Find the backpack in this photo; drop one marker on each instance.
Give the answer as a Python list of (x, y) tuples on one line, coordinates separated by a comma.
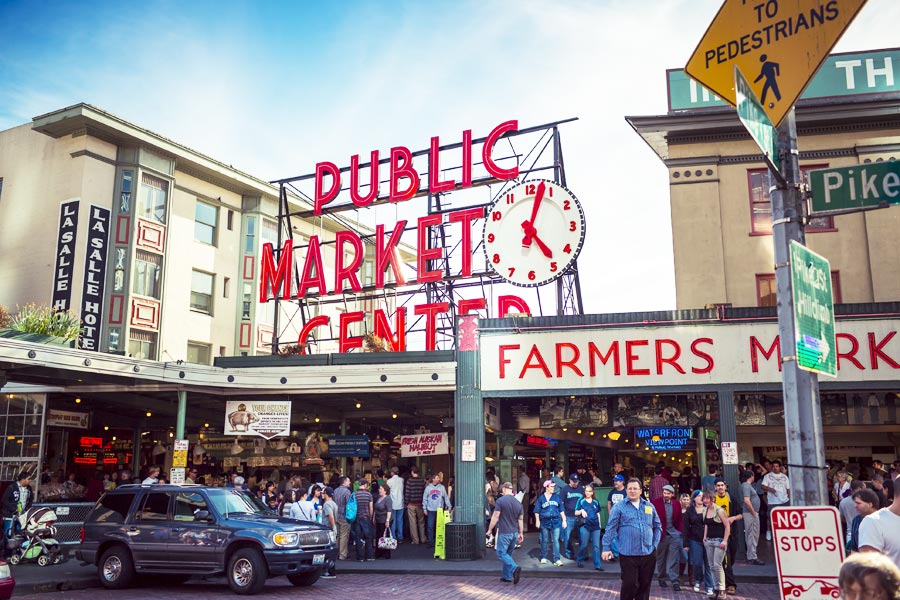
[(350, 509)]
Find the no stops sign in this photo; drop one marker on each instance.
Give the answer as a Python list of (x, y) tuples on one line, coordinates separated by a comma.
[(809, 551)]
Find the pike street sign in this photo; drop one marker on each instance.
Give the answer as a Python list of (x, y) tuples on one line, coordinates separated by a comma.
[(756, 122), (780, 44), (813, 311), (850, 189)]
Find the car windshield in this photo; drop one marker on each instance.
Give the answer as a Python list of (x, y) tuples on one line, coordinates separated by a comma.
[(231, 501)]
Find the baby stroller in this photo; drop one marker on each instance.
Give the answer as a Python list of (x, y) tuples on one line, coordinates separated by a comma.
[(36, 538)]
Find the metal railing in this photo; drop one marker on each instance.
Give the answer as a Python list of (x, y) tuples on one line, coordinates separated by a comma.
[(70, 518)]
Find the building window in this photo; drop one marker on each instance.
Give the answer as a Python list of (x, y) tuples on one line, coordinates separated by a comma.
[(202, 286), (206, 217), (250, 242), (198, 353), (152, 199), (114, 333), (230, 220), (765, 289), (761, 206), (226, 284), (142, 344), (247, 300), (125, 198), (269, 232), (147, 267)]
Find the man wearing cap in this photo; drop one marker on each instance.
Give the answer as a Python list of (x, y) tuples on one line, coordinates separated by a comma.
[(668, 555), (570, 496), (616, 495), (508, 520), (395, 484)]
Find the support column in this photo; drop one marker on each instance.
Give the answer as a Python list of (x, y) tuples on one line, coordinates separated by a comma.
[(182, 413), (469, 416), (731, 473), (136, 453), (506, 445), (343, 458), (701, 451)]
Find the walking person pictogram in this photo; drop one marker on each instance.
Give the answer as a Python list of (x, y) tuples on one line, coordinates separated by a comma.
[(770, 70)]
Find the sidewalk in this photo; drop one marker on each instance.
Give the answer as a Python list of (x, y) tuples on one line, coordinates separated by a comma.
[(406, 560)]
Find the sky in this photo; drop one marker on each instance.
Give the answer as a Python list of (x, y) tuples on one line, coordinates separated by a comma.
[(271, 88)]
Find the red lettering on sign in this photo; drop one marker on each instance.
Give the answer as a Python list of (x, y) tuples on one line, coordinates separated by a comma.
[(385, 254), (539, 363), (383, 328), (318, 321), (594, 353), (700, 354), (313, 275), (466, 217), (503, 360), (631, 358), (355, 196), (467, 305), (349, 271), (431, 311), (402, 168), (767, 354), (320, 196), (346, 341), (561, 362), (270, 275), (466, 158), (670, 360), (488, 148), (851, 355), (425, 252), (875, 351), (435, 185), (505, 303)]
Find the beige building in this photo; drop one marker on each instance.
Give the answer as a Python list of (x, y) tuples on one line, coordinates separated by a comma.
[(183, 236), (721, 215)]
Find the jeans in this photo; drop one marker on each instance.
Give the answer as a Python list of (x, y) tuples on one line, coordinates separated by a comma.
[(714, 556), (637, 575), (594, 536), (362, 529), (699, 564), (430, 525), (566, 537), (751, 533), (668, 557), (397, 523), (506, 543), (550, 537)]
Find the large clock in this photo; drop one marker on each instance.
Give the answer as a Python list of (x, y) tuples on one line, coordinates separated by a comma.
[(533, 232)]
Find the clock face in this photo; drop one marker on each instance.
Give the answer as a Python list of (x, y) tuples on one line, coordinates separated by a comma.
[(533, 233)]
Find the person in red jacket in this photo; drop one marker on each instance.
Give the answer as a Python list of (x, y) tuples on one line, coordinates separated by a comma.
[(668, 554)]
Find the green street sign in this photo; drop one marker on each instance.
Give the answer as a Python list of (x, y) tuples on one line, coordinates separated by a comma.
[(813, 311), (850, 189), (756, 121)]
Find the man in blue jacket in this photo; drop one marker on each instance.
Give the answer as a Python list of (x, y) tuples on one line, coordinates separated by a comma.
[(635, 523), (570, 495)]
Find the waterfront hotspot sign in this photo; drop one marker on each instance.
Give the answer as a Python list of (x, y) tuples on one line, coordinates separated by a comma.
[(813, 311), (850, 189), (809, 550)]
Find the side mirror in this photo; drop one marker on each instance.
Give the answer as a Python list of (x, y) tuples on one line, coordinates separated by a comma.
[(203, 515)]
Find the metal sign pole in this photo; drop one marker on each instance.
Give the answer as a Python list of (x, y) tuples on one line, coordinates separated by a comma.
[(800, 388)]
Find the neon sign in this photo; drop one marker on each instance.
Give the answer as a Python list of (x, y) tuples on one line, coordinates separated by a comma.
[(665, 438)]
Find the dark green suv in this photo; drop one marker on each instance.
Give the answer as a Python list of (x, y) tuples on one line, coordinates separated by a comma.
[(185, 530)]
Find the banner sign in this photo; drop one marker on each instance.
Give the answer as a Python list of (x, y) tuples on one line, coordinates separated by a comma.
[(94, 278), (665, 438), (179, 454), (65, 418), (707, 354), (348, 446), (65, 255), (267, 418), (425, 444), (809, 550)]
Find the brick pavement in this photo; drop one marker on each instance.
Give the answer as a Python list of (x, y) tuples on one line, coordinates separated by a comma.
[(416, 587)]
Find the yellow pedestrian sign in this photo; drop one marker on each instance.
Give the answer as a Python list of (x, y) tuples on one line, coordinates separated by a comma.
[(778, 44)]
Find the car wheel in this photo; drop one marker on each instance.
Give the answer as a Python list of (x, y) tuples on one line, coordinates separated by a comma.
[(306, 578), (247, 571), (116, 568)]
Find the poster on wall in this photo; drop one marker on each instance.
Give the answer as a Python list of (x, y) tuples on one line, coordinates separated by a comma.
[(65, 418), (267, 418), (749, 409), (424, 444), (565, 411), (872, 408), (520, 413), (650, 409), (348, 446)]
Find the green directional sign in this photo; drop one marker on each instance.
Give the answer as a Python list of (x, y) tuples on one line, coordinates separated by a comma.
[(849, 189), (756, 121), (813, 311)]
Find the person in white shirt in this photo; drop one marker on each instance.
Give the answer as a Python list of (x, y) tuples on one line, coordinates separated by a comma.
[(395, 484), (152, 476), (880, 532), (778, 489)]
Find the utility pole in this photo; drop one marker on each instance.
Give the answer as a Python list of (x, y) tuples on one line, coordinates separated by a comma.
[(800, 388)]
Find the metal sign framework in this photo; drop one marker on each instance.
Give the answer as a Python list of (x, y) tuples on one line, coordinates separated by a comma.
[(543, 157)]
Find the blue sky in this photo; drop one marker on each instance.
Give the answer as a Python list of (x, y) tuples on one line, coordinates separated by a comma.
[(273, 87)]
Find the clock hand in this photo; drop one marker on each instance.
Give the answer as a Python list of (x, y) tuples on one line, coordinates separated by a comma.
[(531, 234), (534, 211), (547, 252)]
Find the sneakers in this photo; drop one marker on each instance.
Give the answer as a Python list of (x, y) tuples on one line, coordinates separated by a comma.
[(768, 536), (517, 573), (697, 587), (710, 592), (598, 568), (731, 590), (756, 562), (558, 563), (662, 583), (676, 587), (544, 561), (327, 576)]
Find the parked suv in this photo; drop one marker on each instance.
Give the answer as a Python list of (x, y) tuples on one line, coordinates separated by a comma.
[(185, 530)]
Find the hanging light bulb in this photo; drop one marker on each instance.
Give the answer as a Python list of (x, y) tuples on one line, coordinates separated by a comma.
[(149, 414), (236, 448), (77, 400), (158, 449), (359, 405), (318, 419)]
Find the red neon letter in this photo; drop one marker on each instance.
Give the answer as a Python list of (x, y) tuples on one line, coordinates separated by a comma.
[(466, 159), (321, 197), (538, 364), (503, 360), (431, 311), (701, 354), (488, 147), (851, 356), (465, 217), (307, 329), (755, 345), (504, 303), (345, 341), (467, 305), (875, 351), (425, 253), (342, 271), (385, 254), (631, 357), (269, 275), (399, 171), (560, 363), (435, 185), (373, 180), (673, 360), (594, 353), (313, 275), (383, 328)]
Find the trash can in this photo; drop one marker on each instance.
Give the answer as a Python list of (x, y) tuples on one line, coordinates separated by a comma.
[(459, 541)]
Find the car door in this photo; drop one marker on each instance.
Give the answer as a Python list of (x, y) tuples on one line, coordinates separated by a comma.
[(149, 532), (193, 543)]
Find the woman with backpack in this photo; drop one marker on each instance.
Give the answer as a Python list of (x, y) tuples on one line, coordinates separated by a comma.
[(587, 510)]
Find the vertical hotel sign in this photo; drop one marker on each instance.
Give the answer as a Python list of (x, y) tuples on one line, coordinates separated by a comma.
[(65, 256), (94, 277)]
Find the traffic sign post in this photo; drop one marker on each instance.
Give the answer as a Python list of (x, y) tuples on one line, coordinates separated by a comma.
[(809, 551), (756, 121), (813, 311), (851, 189), (780, 45)]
